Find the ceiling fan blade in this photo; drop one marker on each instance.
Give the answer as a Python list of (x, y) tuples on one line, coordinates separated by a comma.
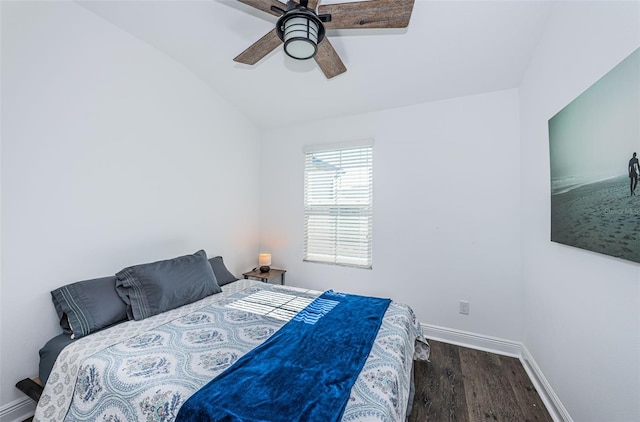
[(265, 5), (368, 14), (259, 49), (328, 60)]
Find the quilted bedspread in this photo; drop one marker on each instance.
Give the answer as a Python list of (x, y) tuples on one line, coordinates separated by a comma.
[(145, 370)]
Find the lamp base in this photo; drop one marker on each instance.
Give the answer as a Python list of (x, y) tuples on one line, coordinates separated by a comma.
[(265, 269)]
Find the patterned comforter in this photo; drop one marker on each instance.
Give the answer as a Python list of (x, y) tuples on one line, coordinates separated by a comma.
[(145, 370)]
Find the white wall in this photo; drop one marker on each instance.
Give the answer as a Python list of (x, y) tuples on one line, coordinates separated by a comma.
[(582, 310), (446, 209), (112, 155)]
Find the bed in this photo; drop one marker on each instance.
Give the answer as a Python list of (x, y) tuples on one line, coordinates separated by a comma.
[(147, 366)]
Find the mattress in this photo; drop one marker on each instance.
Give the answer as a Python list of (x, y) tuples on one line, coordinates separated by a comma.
[(50, 352)]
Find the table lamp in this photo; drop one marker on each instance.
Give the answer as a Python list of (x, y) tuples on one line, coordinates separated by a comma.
[(264, 260)]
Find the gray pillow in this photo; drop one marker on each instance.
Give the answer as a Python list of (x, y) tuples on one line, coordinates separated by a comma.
[(87, 306), (220, 270), (150, 289)]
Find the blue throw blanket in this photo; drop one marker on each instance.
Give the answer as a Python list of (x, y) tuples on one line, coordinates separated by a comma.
[(304, 372)]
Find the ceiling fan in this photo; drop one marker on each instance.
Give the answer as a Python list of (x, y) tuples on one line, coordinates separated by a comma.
[(302, 29)]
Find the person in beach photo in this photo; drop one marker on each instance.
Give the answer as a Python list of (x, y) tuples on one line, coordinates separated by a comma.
[(634, 170)]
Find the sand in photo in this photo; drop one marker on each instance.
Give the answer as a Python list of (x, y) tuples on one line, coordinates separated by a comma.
[(600, 217)]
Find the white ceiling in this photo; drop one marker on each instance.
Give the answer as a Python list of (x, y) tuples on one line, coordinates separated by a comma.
[(451, 48)]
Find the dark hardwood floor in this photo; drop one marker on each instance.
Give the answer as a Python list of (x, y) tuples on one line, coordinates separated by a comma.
[(467, 385)]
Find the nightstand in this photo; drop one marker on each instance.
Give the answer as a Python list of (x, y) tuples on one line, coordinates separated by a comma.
[(265, 277)]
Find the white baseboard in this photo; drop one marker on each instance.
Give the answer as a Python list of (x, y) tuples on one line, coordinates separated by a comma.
[(17, 410), (508, 348), (472, 340), (548, 396)]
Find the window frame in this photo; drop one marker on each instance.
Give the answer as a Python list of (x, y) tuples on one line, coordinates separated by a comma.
[(342, 247)]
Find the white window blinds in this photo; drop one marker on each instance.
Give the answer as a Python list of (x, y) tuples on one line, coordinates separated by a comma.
[(338, 206)]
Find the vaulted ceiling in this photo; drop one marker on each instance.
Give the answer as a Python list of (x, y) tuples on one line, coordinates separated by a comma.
[(451, 48)]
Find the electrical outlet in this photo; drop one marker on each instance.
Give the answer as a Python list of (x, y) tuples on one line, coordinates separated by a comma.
[(464, 307)]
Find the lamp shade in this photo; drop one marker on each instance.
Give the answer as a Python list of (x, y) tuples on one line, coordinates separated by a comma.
[(300, 37), (301, 30), (264, 259)]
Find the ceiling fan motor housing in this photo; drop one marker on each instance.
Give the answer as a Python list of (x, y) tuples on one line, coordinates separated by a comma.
[(301, 30)]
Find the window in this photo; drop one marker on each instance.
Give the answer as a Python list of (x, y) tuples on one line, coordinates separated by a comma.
[(338, 205)]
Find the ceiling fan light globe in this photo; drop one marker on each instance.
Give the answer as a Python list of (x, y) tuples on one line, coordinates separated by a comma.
[(300, 37), (300, 48)]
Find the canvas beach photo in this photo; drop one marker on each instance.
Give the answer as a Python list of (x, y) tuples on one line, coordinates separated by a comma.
[(594, 144)]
